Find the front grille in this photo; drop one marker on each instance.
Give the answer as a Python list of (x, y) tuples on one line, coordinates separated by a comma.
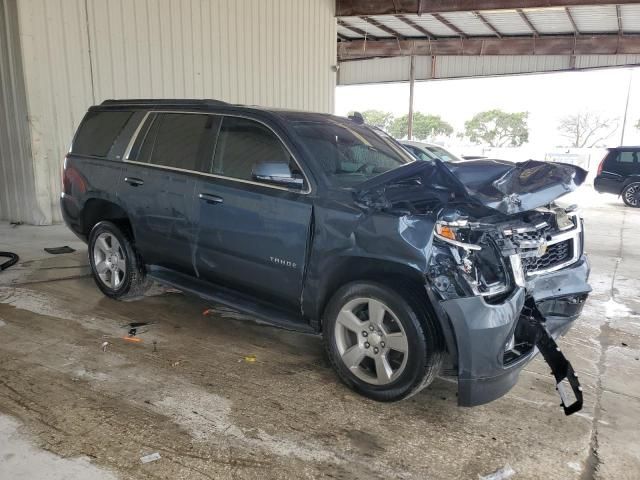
[(532, 235), (556, 254)]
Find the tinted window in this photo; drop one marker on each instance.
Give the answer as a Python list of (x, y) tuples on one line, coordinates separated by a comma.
[(419, 153), (178, 140), (443, 154), (350, 153), (241, 144), (98, 132), (627, 157)]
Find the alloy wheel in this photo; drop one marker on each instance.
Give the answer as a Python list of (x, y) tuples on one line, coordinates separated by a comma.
[(632, 195), (109, 260), (371, 341)]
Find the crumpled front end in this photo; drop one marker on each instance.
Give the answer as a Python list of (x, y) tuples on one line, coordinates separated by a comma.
[(508, 289)]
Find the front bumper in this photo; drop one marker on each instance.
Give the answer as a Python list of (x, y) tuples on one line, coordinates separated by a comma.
[(487, 366)]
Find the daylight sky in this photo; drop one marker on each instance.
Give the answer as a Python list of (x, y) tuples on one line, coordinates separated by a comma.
[(547, 97)]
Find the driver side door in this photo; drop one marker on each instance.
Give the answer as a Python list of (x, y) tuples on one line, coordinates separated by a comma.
[(251, 236)]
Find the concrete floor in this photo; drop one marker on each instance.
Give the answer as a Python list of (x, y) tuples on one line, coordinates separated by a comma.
[(68, 409)]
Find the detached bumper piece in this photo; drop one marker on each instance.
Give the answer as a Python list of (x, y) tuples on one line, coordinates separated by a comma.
[(567, 383)]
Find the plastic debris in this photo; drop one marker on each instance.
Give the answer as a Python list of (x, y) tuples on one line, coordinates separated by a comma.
[(250, 358), (59, 250), (132, 339), (503, 473), (104, 346), (152, 457)]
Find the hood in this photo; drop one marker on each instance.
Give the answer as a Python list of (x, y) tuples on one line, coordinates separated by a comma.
[(500, 185)]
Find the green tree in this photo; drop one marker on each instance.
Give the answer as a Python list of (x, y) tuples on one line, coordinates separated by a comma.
[(424, 126), (377, 118), (498, 128)]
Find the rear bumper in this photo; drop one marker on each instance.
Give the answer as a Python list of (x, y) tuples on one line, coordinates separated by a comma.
[(487, 366), (604, 184)]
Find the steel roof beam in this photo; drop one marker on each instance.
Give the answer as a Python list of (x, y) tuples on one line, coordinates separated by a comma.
[(415, 26), (447, 23), (356, 8), (548, 45), (357, 30), (382, 27), (487, 24)]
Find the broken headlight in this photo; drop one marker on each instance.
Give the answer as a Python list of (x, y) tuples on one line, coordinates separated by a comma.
[(467, 261)]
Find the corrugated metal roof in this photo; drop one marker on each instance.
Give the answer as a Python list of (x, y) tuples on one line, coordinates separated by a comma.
[(398, 25), (433, 25), (630, 18), (507, 22), (366, 26), (469, 23), (595, 19), (549, 21)]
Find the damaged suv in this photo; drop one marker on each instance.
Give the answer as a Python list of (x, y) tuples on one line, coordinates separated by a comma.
[(317, 223)]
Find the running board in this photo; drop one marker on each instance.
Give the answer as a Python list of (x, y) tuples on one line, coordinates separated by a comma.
[(264, 313)]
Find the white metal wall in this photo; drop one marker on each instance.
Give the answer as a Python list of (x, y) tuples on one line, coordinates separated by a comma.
[(380, 70), (16, 170), (76, 53)]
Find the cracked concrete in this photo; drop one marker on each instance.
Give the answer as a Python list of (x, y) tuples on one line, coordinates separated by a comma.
[(187, 392)]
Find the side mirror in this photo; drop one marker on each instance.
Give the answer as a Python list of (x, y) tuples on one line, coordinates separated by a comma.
[(276, 173)]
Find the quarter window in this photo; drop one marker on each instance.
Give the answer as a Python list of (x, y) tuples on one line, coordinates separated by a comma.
[(98, 132), (241, 144)]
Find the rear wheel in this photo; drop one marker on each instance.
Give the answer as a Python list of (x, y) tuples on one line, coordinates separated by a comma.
[(382, 344), (116, 268), (631, 195)]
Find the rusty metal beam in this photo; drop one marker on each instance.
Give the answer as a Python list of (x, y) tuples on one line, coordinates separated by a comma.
[(415, 26), (357, 30), (382, 27), (524, 17), (547, 45), (356, 8), (573, 22), (447, 23), (487, 24)]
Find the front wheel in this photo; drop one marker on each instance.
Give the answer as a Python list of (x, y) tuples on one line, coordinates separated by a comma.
[(382, 344), (116, 268), (631, 195)]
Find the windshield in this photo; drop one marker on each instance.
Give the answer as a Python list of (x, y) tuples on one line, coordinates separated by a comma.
[(350, 154), (443, 154)]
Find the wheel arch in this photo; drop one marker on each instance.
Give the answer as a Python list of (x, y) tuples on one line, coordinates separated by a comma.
[(96, 210)]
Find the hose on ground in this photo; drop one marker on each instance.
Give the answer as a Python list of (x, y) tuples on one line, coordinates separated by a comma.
[(13, 259)]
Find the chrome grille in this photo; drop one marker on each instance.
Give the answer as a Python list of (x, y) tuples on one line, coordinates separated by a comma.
[(556, 254)]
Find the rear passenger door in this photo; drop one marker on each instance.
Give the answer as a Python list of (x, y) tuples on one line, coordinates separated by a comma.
[(251, 236), (618, 167), (159, 181)]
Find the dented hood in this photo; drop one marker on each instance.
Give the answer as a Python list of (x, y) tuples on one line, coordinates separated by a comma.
[(503, 186)]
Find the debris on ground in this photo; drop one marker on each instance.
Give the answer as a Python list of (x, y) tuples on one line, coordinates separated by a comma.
[(134, 326), (176, 363), (15, 224), (155, 346), (132, 339), (503, 473), (59, 250), (104, 346), (250, 358), (226, 312), (152, 457)]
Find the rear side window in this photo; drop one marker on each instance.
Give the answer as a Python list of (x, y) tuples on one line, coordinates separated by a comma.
[(179, 140), (241, 144), (627, 157), (98, 132)]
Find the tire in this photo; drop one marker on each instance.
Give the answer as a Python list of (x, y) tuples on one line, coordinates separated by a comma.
[(402, 374), (631, 195), (116, 267)]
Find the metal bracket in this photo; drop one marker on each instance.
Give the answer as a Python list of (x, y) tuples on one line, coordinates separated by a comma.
[(567, 383)]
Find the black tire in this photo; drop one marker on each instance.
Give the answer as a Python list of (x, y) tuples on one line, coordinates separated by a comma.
[(425, 346), (631, 195), (134, 282)]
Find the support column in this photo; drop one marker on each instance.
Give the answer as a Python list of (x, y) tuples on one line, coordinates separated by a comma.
[(412, 79)]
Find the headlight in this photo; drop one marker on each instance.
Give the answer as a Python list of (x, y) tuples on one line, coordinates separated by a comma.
[(475, 263), (456, 233)]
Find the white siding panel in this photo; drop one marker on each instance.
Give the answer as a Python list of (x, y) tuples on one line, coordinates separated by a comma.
[(274, 53), (377, 70), (17, 189)]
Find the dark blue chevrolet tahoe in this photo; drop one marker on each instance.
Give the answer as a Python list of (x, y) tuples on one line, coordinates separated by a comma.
[(317, 223)]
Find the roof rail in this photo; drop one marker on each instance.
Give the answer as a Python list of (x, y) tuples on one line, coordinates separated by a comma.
[(163, 101)]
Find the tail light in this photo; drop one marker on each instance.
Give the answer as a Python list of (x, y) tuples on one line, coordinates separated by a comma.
[(601, 164)]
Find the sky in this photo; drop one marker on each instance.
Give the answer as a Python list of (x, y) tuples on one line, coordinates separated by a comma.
[(547, 97)]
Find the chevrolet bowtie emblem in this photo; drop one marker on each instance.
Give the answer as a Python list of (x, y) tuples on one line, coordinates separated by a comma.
[(542, 249)]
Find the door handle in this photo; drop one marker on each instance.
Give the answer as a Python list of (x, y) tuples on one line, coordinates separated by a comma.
[(134, 182), (207, 197)]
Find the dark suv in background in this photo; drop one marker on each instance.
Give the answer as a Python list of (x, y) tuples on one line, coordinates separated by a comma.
[(320, 224), (619, 173)]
